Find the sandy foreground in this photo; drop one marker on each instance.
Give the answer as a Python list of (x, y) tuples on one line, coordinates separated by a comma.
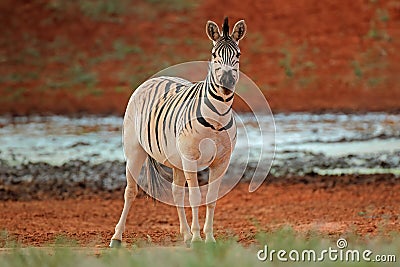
[(364, 209)]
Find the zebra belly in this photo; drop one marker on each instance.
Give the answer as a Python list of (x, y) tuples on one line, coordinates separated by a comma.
[(194, 152), (205, 148)]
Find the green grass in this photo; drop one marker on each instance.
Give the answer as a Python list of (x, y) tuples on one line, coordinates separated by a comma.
[(166, 41), (98, 10), (76, 75), (383, 15), (306, 81), (14, 94), (378, 34), (102, 8), (121, 49), (173, 5), (291, 66), (79, 75), (377, 26), (357, 68), (286, 63), (375, 81), (226, 252), (371, 67), (257, 41)]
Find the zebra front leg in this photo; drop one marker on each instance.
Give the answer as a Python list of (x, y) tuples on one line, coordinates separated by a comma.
[(194, 200), (215, 178), (212, 196), (178, 192)]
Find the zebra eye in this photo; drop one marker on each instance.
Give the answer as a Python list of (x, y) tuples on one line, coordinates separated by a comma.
[(238, 54), (214, 55)]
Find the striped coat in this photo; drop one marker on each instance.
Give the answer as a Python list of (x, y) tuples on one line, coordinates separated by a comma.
[(187, 127), (172, 116)]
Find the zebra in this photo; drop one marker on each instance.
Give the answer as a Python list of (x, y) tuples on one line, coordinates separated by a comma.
[(185, 126)]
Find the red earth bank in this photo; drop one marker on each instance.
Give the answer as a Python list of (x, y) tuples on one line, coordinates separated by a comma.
[(306, 55)]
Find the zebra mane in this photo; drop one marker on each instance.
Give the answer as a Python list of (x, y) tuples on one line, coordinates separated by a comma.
[(225, 28)]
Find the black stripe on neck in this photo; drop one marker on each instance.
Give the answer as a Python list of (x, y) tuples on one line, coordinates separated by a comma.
[(209, 88), (230, 98), (228, 126), (203, 122), (212, 107), (219, 98), (206, 124)]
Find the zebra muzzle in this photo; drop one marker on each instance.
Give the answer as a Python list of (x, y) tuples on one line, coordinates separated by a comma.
[(227, 81)]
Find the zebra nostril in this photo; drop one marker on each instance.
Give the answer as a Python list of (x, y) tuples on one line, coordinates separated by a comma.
[(231, 81), (227, 79)]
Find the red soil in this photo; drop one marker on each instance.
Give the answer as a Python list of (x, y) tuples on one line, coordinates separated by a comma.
[(361, 209), (306, 55)]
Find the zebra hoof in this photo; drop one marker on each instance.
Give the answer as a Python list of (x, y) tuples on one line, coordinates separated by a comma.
[(187, 243), (115, 243), (210, 241), (196, 244), (210, 244)]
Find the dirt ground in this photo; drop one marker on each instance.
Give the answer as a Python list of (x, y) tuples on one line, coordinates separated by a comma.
[(366, 209)]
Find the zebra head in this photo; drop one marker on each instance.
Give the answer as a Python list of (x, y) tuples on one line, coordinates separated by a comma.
[(225, 54)]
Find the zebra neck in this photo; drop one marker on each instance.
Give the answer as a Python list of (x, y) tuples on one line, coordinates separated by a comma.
[(216, 106)]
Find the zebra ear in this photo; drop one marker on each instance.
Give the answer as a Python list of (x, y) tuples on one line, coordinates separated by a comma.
[(212, 31), (239, 30)]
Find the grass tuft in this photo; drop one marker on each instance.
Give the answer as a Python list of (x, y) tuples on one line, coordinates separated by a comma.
[(286, 63), (226, 252), (357, 68), (174, 5)]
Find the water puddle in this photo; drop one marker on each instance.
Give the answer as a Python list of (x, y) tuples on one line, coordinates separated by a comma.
[(323, 144)]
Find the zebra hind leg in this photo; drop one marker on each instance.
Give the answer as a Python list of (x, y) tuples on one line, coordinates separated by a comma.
[(132, 171)]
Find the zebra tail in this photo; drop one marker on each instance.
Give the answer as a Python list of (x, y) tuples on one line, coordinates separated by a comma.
[(158, 179)]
